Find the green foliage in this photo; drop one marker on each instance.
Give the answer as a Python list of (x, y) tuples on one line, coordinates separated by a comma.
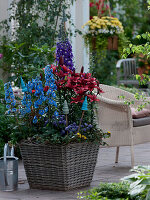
[(139, 181), (27, 66), (139, 49), (133, 187), (29, 47), (108, 191)]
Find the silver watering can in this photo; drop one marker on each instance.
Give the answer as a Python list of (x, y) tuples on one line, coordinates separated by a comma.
[(8, 170)]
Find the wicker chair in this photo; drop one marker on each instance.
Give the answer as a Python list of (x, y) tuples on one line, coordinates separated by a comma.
[(115, 116)]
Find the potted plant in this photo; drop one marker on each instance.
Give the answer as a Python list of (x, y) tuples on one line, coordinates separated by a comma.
[(55, 127), (104, 33)]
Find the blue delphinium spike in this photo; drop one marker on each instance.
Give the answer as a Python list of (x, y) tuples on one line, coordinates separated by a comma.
[(85, 104), (23, 86)]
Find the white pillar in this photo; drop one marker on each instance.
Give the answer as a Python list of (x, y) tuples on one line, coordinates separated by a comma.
[(80, 15), (73, 38), (86, 13)]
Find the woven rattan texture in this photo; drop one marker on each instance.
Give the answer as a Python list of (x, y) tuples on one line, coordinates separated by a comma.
[(61, 167)]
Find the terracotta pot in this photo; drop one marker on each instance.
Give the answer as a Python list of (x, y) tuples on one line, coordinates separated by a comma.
[(94, 43), (112, 43)]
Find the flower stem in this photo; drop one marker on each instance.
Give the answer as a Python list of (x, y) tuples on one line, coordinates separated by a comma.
[(81, 121)]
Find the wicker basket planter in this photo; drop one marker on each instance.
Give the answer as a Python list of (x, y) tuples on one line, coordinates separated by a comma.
[(59, 167)]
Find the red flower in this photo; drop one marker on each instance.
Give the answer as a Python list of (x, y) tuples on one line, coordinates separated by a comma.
[(81, 84), (77, 99), (92, 97)]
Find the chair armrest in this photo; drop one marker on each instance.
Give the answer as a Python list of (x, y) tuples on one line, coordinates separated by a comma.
[(116, 111), (110, 101)]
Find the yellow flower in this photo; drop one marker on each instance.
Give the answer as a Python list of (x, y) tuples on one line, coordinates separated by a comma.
[(98, 26), (83, 136), (105, 23), (108, 132), (92, 27)]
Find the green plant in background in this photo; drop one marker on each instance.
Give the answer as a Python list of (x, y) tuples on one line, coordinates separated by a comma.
[(129, 89), (143, 49), (139, 181), (105, 71), (29, 45), (139, 49), (135, 18)]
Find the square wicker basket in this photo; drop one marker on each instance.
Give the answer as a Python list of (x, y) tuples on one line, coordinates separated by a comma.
[(59, 167)]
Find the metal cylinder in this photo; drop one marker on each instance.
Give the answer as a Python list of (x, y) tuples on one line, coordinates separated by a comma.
[(8, 173)]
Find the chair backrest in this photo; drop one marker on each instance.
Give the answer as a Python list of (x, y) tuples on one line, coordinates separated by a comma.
[(126, 71)]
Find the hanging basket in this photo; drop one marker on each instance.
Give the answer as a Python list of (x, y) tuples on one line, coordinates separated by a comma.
[(59, 167), (112, 43)]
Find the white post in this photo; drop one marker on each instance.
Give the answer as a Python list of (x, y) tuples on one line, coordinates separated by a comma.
[(73, 38), (86, 13)]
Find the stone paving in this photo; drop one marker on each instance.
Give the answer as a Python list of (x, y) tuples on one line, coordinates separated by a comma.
[(106, 171)]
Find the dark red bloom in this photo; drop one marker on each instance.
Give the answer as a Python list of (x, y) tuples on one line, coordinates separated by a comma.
[(92, 97), (81, 84), (77, 99)]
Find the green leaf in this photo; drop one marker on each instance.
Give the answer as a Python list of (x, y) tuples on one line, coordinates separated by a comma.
[(148, 195), (137, 190)]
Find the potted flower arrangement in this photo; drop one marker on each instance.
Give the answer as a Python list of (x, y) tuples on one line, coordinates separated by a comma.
[(55, 126)]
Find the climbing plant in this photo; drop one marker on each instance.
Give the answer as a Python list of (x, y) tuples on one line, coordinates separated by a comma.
[(29, 45)]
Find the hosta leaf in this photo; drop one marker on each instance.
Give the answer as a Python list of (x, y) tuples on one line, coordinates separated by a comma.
[(134, 184), (146, 181), (137, 190), (131, 177), (148, 195)]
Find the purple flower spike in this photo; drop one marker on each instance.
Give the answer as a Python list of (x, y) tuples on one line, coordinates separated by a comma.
[(64, 49)]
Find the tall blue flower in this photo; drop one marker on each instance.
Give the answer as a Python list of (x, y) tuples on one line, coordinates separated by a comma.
[(26, 104), (50, 83), (9, 97), (64, 49)]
